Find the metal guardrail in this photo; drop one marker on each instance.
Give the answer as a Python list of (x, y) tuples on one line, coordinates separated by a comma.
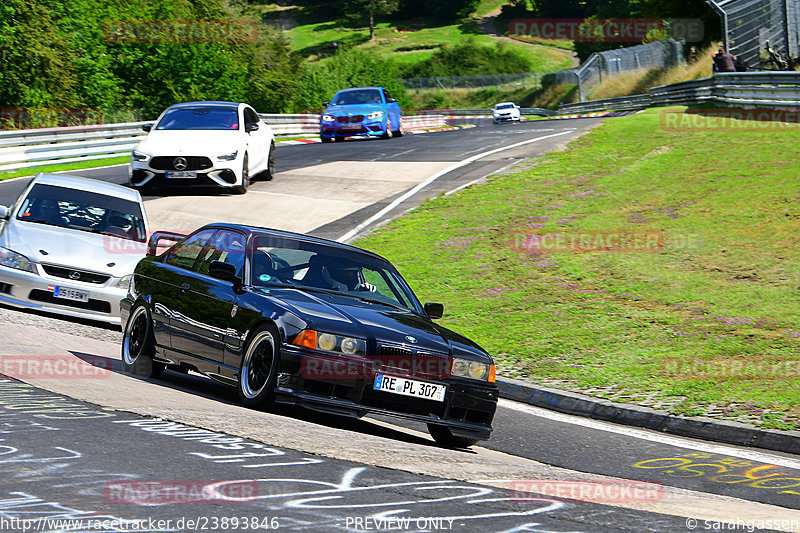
[(728, 89), (467, 112), (27, 148)]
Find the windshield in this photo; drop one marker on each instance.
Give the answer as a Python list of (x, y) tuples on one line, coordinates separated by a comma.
[(85, 211), (504, 106), (200, 118), (365, 96), (284, 262)]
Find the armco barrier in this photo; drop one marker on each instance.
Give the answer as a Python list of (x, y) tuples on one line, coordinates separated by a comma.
[(728, 89), (28, 148)]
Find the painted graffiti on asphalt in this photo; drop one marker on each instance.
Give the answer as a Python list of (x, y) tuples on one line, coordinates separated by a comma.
[(725, 469), (23, 398)]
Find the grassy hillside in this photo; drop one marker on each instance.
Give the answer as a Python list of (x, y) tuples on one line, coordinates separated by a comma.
[(701, 319)]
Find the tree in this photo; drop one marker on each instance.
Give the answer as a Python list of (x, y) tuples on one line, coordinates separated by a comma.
[(371, 9)]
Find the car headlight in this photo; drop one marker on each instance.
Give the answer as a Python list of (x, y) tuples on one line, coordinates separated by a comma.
[(139, 156), (328, 118), (465, 368), (228, 157), (123, 282), (375, 114), (328, 342), (12, 259)]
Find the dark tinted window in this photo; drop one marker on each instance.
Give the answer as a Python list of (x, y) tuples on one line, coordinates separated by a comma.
[(280, 261), (186, 253), (200, 118), (250, 116), (226, 246), (85, 211)]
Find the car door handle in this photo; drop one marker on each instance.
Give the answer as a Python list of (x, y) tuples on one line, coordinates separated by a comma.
[(185, 287)]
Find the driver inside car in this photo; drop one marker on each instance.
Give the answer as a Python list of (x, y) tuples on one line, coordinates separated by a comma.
[(345, 276)]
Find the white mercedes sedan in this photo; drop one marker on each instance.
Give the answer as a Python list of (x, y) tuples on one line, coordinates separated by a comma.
[(69, 245), (204, 144)]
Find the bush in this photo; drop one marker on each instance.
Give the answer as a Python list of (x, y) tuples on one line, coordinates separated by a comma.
[(470, 58), (347, 68)]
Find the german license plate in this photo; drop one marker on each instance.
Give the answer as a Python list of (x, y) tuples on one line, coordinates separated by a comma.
[(350, 126), (182, 174), (66, 293), (409, 387)]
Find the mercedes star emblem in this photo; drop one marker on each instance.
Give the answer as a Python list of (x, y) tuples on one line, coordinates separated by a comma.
[(74, 275), (180, 163)]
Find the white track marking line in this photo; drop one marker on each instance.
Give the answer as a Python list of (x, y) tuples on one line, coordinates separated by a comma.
[(669, 440), (377, 216)]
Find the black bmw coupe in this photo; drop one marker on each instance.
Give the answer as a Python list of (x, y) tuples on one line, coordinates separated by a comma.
[(300, 320)]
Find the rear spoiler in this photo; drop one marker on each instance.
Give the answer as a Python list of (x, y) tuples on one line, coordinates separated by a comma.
[(153, 243)]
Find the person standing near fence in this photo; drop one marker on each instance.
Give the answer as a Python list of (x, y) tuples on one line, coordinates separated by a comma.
[(723, 61)]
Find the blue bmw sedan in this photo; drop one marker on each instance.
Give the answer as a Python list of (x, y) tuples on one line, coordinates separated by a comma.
[(360, 111)]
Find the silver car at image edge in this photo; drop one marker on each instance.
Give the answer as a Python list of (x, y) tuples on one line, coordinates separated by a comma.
[(69, 245)]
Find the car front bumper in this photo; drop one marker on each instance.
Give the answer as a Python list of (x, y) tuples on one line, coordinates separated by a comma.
[(225, 174), (364, 127), (19, 288), (467, 409)]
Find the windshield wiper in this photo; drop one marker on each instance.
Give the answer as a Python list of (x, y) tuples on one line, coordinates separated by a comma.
[(380, 302)]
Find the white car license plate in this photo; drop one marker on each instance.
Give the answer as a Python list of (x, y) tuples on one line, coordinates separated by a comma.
[(409, 387), (70, 294), (182, 174)]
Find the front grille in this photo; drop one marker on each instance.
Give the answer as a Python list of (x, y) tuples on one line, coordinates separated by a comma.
[(71, 273), (192, 162), (350, 120), (396, 359), (39, 295)]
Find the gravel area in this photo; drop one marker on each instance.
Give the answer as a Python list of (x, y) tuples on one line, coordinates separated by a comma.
[(10, 316)]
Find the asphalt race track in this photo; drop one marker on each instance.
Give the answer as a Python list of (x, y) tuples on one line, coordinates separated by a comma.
[(180, 450)]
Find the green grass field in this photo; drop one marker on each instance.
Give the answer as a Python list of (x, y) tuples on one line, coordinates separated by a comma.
[(702, 318), (407, 45), (61, 167)]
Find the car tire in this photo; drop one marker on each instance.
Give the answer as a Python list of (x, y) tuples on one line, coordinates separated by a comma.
[(388, 132), (325, 140), (339, 138), (270, 172), (241, 189), (445, 438), (259, 371), (138, 344), (399, 131)]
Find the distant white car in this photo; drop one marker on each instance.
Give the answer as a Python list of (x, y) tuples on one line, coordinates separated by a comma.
[(69, 246), (505, 111), (204, 144)]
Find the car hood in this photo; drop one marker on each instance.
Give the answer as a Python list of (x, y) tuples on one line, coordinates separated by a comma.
[(183, 142), (348, 316), (355, 109), (72, 248)]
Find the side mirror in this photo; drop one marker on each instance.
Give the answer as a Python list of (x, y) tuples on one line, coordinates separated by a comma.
[(252, 126), (153, 243), (4, 212), (223, 271), (434, 311), (147, 127), (390, 100), (326, 103)]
